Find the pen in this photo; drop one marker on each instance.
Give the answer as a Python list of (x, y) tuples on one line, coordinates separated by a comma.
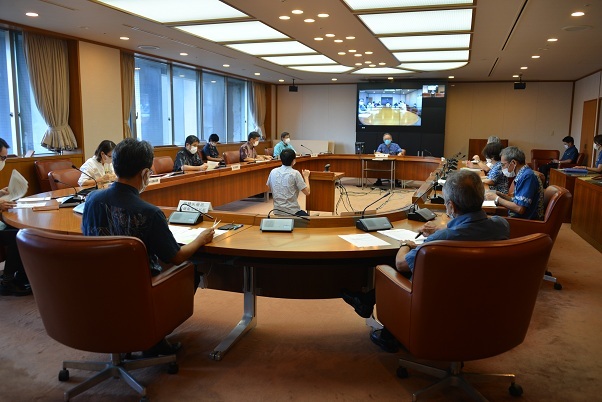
[(418, 235), (215, 223)]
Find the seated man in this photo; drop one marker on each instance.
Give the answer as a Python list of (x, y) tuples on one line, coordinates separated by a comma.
[(463, 193), (119, 211), (285, 184), (188, 158), (285, 139), (210, 149), (248, 152), (597, 168), (527, 200), (390, 148), (569, 156)]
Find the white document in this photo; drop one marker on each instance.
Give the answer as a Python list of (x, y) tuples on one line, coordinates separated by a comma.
[(17, 187), (471, 169), (185, 235), (34, 199), (489, 203), (364, 240), (212, 165), (29, 204), (403, 235)]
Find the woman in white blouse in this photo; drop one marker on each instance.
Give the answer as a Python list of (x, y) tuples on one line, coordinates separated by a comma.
[(100, 166)]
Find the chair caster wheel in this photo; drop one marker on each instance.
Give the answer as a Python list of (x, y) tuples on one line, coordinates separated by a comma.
[(144, 399), (515, 390), (173, 368), (549, 273), (402, 372), (557, 286), (64, 375)]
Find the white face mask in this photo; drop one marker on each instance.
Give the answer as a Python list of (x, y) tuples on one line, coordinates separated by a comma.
[(2, 164), (193, 150), (145, 180), (287, 140), (507, 173), (566, 146), (596, 147), (255, 143), (489, 162)]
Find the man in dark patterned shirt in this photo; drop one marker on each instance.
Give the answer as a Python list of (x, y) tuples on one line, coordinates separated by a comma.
[(248, 152), (188, 158)]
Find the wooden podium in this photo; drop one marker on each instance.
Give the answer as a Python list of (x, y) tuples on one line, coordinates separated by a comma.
[(321, 196)]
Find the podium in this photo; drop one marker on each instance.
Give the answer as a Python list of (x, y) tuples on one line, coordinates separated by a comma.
[(321, 196)]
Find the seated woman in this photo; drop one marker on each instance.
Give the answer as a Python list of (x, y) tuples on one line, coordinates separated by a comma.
[(598, 165), (210, 151), (495, 178), (100, 166), (188, 158)]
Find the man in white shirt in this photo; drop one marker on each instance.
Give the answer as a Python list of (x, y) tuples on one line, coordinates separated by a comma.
[(285, 184)]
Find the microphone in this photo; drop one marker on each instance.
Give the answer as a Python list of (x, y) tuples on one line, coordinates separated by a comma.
[(327, 167), (71, 200), (198, 210), (288, 213), (373, 224), (310, 151), (87, 190), (426, 150), (388, 193), (421, 214)]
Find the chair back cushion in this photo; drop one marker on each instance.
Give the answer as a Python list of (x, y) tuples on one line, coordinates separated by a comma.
[(542, 156), (162, 164), (231, 157), (269, 151), (95, 293), (67, 178), (42, 168), (468, 300)]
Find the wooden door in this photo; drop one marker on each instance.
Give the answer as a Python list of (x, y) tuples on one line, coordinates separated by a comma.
[(588, 129)]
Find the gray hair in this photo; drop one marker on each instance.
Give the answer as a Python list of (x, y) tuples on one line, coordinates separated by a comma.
[(511, 153), (493, 138), (465, 189)]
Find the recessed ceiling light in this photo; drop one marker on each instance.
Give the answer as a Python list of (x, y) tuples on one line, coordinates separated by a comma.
[(309, 20), (390, 78), (577, 14), (183, 54), (257, 73), (341, 53), (553, 40), (451, 77), (136, 68), (297, 11), (338, 40), (358, 64), (350, 37), (368, 52), (213, 81), (535, 56), (226, 65), (323, 15), (281, 80), (318, 38), (32, 14), (284, 17), (367, 62), (352, 50), (333, 79), (515, 76), (372, 65), (382, 63), (524, 68), (358, 55), (330, 35), (124, 38)]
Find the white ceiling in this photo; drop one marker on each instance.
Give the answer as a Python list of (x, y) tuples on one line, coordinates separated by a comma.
[(506, 33)]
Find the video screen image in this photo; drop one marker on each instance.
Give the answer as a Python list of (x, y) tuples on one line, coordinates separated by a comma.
[(390, 107)]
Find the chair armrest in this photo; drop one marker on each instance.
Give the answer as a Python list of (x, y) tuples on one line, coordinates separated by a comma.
[(394, 276), (394, 302), (523, 227), (168, 272)]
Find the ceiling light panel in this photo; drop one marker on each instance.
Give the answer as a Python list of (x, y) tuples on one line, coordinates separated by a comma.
[(234, 31), (418, 21), (299, 60), (177, 10), (272, 48), (433, 66), (323, 69), (454, 55), (460, 41), (379, 4), (381, 70)]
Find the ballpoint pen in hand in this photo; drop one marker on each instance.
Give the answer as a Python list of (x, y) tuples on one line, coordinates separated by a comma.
[(215, 223), (418, 235)]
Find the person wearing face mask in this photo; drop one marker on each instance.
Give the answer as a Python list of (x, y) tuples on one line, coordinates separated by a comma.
[(188, 158), (463, 194), (476, 159), (14, 281), (100, 166), (285, 139), (390, 148), (597, 148), (569, 156), (210, 151), (527, 200), (119, 211), (248, 152), (495, 178)]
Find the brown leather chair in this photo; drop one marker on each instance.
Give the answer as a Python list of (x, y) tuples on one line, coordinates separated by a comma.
[(162, 164), (231, 157), (269, 152), (97, 294), (466, 301), (43, 167), (557, 203), (542, 156), (67, 178), (579, 162)]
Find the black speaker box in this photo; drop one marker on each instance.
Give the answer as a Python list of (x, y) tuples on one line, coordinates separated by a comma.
[(520, 85), (293, 88)]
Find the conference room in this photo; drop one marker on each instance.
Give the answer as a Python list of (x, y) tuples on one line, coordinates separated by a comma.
[(257, 330)]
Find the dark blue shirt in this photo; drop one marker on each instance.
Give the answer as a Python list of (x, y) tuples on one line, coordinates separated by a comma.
[(528, 193), (119, 211), (210, 150), (183, 157), (500, 182), (599, 159), (392, 149), (570, 153), (470, 226)]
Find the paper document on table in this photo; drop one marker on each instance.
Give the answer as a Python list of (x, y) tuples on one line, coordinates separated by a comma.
[(34, 199), (364, 240), (17, 187), (403, 235), (29, 204), (489, 203), (471, 169), (185, 235)]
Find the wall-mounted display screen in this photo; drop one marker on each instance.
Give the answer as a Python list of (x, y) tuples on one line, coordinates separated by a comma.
[(390, 107)]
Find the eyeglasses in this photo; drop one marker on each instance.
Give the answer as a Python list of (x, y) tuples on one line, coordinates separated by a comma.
[(3, 158), (504, 164)]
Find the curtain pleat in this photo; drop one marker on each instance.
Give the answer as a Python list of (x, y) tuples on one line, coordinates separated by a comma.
[(48, 65), (257, 102), (127, 90)]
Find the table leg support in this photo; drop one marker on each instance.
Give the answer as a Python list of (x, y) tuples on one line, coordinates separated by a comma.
[(248, 320)]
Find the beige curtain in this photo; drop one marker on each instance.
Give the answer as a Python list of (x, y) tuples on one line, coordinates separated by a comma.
[(257, 102), (47, 61), (127, 90)]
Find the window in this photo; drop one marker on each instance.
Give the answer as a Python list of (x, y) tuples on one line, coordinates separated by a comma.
[(237, 110), (21, 124), (186, 104), (214, 105)]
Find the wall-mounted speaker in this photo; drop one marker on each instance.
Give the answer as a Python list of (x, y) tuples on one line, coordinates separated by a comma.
[(520, 85), (293, 88)]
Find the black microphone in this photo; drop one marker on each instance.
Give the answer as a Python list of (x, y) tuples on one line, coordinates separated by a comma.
[(310, 151), (87, 190), (196, 209), (72, 199), (327, 167), (426, 150), (374, 224), (421, 214), (288, 213), (372, 203)]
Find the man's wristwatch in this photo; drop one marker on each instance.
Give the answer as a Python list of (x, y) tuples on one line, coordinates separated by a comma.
[(496, 201), (404, 244)]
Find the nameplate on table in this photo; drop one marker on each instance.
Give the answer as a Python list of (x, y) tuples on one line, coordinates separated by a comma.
[(314, 155), (235, 167), (154, 180)]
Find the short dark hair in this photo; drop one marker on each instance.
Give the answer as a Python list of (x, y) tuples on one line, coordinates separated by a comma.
[(213, 138), (598, 139), (105, 146), (284, 134), (568, 138), (492, 150), (287, 157), (465, 189), (3, 144), (131, 156), (191, 139), (253, 134)]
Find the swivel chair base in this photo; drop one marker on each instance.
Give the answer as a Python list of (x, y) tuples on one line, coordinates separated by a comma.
[(118, 367), (551, 278), (454, 377)]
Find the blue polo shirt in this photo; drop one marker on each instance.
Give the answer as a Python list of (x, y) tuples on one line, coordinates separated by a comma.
[(391, 149), (570, 153), (281, 146)]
